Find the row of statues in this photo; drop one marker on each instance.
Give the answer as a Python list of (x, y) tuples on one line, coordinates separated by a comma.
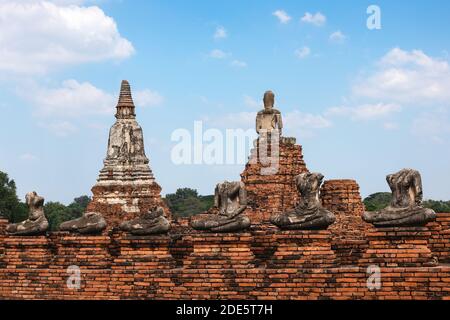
[(230, 203)]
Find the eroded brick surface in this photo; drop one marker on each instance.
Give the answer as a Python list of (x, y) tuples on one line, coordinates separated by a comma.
[(262, 263)]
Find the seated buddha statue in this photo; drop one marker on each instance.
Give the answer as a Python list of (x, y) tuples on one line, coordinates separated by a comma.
[(89, 223), (36, 224), (405, 209), (230, 199), (269, 119), (308, 213), (151, 223)]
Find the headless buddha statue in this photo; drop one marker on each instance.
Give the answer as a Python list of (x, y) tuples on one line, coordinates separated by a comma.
[(151, 223), (89, 223), (36, 224), (230, 198), (309, 213), (405, 208)]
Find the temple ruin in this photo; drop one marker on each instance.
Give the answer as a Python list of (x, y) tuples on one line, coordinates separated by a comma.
[(318, 246)]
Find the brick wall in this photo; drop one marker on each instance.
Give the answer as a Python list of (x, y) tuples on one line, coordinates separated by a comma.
[(440, 237), (263, 263), (342, 197), (274, 193)]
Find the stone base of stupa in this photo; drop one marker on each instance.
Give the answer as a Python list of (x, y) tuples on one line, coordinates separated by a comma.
[(118, 203)]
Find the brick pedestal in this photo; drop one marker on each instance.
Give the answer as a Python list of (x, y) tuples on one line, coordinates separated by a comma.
[(439, 242), (81, 251), (303, 249), (398, 247), (27, 252), (269, 194), (220, 251), (3, 224), (142, 267), (342, 197), (148, 251)]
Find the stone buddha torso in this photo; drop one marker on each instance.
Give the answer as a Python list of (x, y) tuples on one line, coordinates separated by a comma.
[(309, 213), (36, 223), (405, 208), (230, 198), (406, 189)]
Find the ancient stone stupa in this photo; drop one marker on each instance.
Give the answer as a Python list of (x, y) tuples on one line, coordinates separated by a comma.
[(126, 187)]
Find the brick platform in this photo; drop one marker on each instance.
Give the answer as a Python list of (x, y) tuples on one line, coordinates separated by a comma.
[(220, 251), (303, 249), (88, 251), (439, 242), (398, 247), (184, 265), (342, 197), (274, 193), (3, 224), (142, 267), (27, 252)]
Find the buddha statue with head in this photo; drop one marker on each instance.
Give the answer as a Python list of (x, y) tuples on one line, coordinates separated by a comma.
[(405, 209), (230, 199), (309, 213), (36, 224), (269, 119)]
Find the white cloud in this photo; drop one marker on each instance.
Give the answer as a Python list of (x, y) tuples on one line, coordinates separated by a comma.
[(218, 54), (409, 77), (73, 99), (251, 102), (238, 64), (296, 123), (28, 157), (365, 111), (338, 37), (221, 33), (303, 125), (303, 52), (147, 98), (317, 19), (432, 126), (390, 125), (282, 16), (239, 120), (36, 36), (59, 128)]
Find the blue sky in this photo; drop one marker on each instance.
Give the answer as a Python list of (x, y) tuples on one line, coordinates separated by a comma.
[(362, 103)]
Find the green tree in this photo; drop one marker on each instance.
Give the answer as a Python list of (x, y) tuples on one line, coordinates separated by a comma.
[(437, 205), (10, 206), (377, 201), (186, 202), (380, 200), (82, 201), (58, 213)]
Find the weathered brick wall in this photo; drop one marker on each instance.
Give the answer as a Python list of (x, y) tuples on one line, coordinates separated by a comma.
[(273, 193), (342, 197), (439, 242), (263, 263)]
